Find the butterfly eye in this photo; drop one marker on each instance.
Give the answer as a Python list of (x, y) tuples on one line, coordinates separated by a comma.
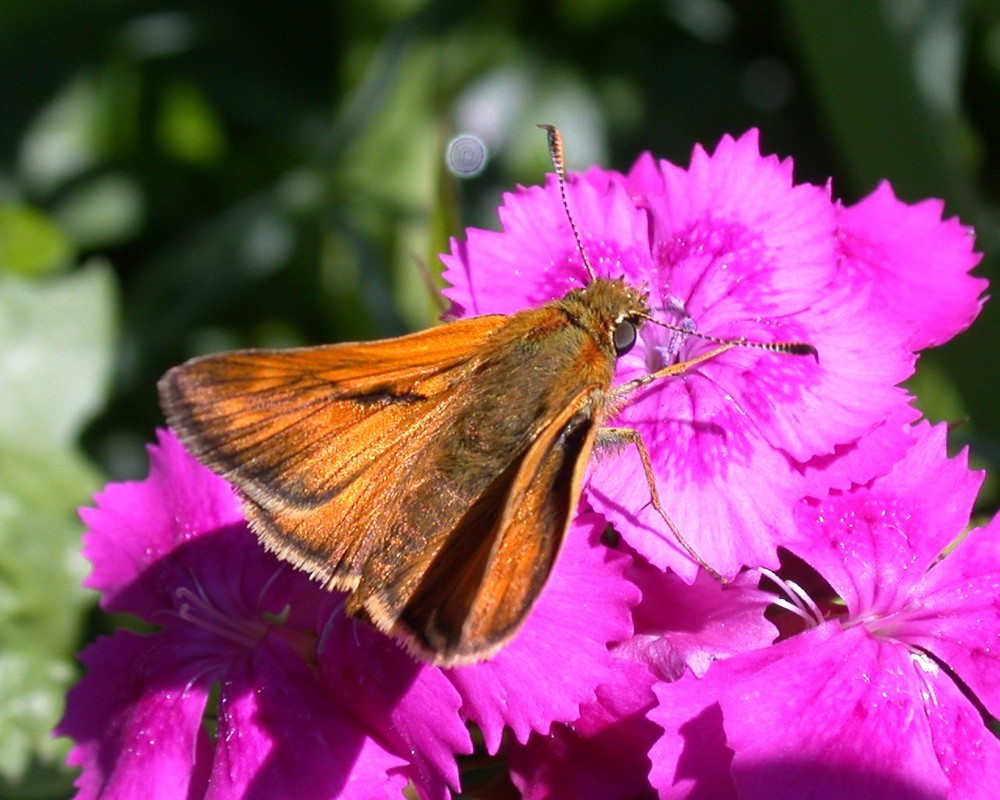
[(624, 337)]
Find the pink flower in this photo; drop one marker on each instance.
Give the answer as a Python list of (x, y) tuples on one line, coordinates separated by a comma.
[(733, 247), (605, 752), (914, 264), (885, 698), (309, 701), (175, 551)]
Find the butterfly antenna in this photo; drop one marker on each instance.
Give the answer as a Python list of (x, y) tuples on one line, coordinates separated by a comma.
[(559, 164), (791, 348)]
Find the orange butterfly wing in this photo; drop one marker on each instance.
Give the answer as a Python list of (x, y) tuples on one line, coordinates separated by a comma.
[(374, 467), (512, 534), (298, 429)]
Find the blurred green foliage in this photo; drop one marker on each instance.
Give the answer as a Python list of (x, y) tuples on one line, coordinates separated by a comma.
[(57, 347), (266, 173)]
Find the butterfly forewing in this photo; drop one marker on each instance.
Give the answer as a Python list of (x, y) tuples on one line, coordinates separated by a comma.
[(305, 433), (296, 425)]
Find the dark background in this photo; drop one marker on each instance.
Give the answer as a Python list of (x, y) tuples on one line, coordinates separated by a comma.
[(263, 173)]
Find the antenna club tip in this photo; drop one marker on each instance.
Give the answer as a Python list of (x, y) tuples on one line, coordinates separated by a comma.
[(555, 139), (794, 349), (803, 349)]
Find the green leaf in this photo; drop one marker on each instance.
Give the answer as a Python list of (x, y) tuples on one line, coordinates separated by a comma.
[(55, 355), (103, 211), (41, 598), (64, 139), (30, 243), (33, 677), (188, 127)]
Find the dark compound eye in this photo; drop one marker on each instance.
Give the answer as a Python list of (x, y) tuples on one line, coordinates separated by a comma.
[(624, 337)]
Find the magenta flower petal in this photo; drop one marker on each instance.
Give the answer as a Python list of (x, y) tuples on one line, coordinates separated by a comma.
[(827, 714), (602, 754), (680, 626), (856, 706), (725, 494), (643, 178), (734, 227), (915, 265), (968, 752), (535, 259), (869, 457), (560, 656), (136, 718), (874, 544), (957, 617), (692, 761), (850, 391), (412, 707), (136, 523), (281, 735)]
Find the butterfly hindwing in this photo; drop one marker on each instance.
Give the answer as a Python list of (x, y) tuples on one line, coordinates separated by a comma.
[(471, 599)]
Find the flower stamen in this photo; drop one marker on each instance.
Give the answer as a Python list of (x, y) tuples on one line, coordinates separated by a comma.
[(796, 601), (196, 610)]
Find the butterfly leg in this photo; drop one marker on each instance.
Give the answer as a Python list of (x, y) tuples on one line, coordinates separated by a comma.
[(623, 391), (620, 436)]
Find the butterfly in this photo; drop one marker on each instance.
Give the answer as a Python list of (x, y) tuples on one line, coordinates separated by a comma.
[(431, 476)]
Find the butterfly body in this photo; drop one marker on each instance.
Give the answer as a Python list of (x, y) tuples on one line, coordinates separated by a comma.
[(432, 476)]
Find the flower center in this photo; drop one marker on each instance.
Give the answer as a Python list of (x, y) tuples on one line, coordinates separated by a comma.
[(803, 599), (663, 345), (243, 626), (195, 608), (796, 608)]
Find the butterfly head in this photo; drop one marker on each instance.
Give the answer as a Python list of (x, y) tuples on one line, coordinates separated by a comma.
[(613, 309)]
